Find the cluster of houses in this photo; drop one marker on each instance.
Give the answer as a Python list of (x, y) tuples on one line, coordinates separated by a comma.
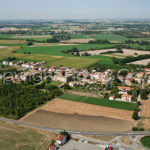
[(61, 139), (28, 65), (80, 77)]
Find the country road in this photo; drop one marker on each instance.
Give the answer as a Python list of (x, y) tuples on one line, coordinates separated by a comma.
[(76, 132)]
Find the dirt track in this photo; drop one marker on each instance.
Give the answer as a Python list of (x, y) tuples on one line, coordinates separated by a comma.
[(77, 122)]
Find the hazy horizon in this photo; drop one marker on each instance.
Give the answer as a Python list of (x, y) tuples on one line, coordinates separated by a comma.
[(71, 9)]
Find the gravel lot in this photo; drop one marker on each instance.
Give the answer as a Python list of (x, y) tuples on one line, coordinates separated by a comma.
[(73, 145)]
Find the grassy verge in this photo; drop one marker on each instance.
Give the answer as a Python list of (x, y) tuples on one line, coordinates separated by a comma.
[(100, 102), (146, 141)]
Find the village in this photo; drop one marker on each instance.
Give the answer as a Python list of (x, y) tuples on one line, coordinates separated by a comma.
[(114, 86)]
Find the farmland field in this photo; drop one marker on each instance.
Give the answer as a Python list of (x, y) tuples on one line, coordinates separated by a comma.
[(56, 50), (111, 37), (77, 122), (5, 36), (71, 107), (15, 137), (12, 42), (33, 37), (99, 102)]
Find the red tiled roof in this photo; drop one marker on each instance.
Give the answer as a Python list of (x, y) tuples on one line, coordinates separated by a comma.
[(126, 95), (60, 137), (124, 87), (52, 147)]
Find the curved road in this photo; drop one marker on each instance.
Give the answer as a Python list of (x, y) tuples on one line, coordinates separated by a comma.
[(75, 132)]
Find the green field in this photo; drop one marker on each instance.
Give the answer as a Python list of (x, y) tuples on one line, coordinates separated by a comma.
[(14, 137), (110, 37), (80, 37), (5, 36), (56, 50), (137, 46), (146, 141), (107, 62), (100, 102)]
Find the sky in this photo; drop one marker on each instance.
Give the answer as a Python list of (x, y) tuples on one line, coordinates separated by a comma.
[(74, 9)]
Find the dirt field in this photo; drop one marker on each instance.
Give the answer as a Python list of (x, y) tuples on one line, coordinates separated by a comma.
[(77, 41), (145, 113), (141, 62), (15, 137), (77, 122), (70, 107), (3, 46), (97, 52), (146, 108), (131, 52)]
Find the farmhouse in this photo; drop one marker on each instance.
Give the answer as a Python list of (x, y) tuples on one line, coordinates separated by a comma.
[(124, 89), (61, 139), (112, 98), (5, 62), (126, 98), (52, 147)]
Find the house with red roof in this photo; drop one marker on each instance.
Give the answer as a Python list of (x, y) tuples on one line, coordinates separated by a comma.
[(61, 139), (53, 147), (126, 98), (124, 89)]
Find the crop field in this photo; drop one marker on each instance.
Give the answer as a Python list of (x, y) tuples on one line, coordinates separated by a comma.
[(74, 62), (137, 46), (14, 137), (12, 42), (77, 122), (80, 37), (71, 107), (33, 37), (77, 41), (110, 37), (56, 50), (5, 36), (99, 102)]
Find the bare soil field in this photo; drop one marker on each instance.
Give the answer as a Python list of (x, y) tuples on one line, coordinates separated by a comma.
[(141, 62), (77, 41), (131, 52), (70, 107), (145, 113), (77, 122), (3, 46), (97, 52), (16, 137), (146, 108)]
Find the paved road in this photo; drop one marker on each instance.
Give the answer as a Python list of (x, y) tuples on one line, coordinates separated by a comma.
[(75, 132)]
